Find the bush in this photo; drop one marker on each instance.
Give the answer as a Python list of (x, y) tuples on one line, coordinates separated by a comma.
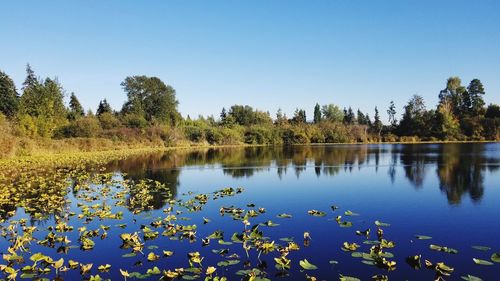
[(87, 127), (135, 121), (7, 141), (258, 135), (214, 135), (109, 121), (26, 126), (193, 133)]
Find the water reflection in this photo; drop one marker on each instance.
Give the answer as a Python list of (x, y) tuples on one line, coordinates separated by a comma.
[(460, 168)]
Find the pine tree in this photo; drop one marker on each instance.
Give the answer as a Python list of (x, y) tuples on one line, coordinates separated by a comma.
[(103, 107), (377, 124), (9, 99), (30, 80), (476, 93), (317, 114), (76, 109)]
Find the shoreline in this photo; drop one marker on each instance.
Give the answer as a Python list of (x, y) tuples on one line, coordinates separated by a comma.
[(129, 151)]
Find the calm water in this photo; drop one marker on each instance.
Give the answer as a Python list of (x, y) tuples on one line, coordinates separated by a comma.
[(450, 192)]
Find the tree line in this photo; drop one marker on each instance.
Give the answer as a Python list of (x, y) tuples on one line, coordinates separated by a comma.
[(150, 111)]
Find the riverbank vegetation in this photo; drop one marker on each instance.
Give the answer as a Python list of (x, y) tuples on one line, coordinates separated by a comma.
[(36, 120)]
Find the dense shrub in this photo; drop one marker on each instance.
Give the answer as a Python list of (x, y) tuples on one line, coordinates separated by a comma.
[(135, 121), (87, 127), (109, 121), (7, 140), (214, 135), (194, 134)]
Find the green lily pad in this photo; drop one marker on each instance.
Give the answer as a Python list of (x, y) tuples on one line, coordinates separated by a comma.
[(381, 224), (471, 278), (228, 263), (443, 249), (495, 257), (284, 216), (481, 248), (348, 278), (129, 255), (482, 262), (305, 264)]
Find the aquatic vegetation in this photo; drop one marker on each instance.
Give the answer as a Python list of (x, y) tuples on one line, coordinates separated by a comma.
[(83, 207)]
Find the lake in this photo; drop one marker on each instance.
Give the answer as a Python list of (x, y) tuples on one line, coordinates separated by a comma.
[(446, 194)]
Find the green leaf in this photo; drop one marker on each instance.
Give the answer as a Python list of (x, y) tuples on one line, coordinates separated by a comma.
[(443, 249), (481, 248), (284, 216), (482, 262), (350, 213), (495, 257), (305, 264), (348, 278), (228, 263), (381, 224), (471, 278)]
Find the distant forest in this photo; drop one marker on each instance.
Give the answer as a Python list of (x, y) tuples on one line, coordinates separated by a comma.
[(150, 115)]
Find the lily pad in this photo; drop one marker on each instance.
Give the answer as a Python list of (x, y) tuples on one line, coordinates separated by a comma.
[(305, 264), (495, 257), (481, 248), (482, 262), (471, 278), (381, 224), (348, 278), (443, 249)]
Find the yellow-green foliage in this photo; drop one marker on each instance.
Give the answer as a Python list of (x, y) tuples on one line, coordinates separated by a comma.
[(7, 141)]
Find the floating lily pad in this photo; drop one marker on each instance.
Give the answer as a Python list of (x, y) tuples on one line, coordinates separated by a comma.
[(227, 263), (443, 249), (284, 216), (305, 264), (348, 278), (381, 224), (481, 248), (482, 262), (495, 257), (471, 278), (350, 213)]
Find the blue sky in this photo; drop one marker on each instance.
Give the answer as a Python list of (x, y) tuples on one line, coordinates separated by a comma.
[(265, 53)]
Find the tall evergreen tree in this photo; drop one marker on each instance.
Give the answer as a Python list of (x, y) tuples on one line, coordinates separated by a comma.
[(317, 113), (31, 79), (377, 124), (223, 114), (476, 92), (76, 109), (349, 117), (361, 118), (103, 107), (9, 99)]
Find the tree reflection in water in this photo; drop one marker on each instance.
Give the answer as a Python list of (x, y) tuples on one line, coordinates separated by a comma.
[(460, 167)]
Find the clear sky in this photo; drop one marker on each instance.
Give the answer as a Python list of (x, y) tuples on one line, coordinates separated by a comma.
[(265, 53)]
